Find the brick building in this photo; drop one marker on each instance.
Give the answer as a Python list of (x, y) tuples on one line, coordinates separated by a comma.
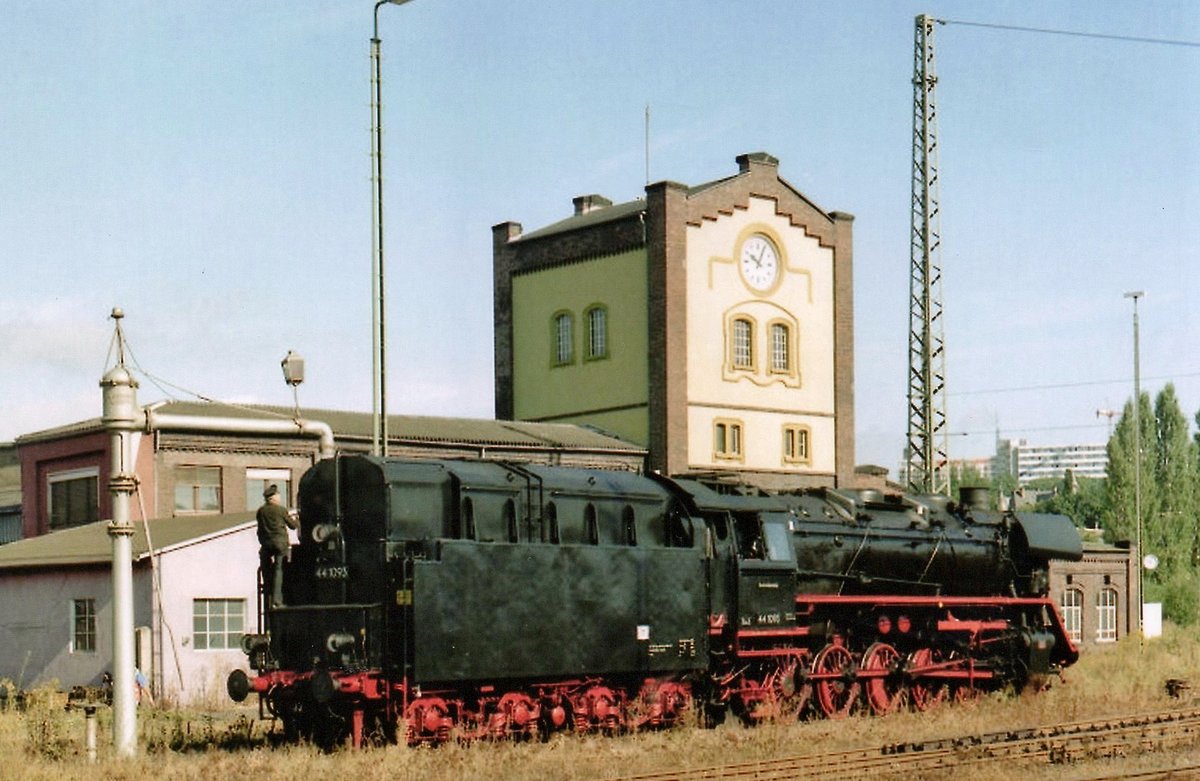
[(712, 324), (1098, 596)]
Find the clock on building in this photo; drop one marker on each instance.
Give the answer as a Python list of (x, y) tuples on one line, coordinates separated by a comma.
[(759, 262)]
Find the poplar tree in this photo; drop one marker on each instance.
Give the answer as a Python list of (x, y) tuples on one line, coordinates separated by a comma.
[(1120, 520), (1173, 527)]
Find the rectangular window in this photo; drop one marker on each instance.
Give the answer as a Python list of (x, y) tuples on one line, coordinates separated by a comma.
[(1106, 615), (74, 497), (198, 489), (218, 624), (796, 444), (257, 481), (83, 625), (1072, 610), (727, 439)]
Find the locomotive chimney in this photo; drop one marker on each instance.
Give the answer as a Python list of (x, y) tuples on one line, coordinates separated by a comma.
[(974, 497)]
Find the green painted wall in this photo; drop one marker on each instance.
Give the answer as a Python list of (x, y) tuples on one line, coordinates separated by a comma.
[(610, 392)]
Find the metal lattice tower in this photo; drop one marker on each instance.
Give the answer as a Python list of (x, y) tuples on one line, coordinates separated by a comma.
[(928, 464)]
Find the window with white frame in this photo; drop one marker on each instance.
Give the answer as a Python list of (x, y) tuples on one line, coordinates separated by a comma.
[(741, 344), (73, 497), (197, 489), (564, 339), (781, 348), (597, 325), (83, 625), (257, 481), (1072, 613), (1106, 615), (218, 624)]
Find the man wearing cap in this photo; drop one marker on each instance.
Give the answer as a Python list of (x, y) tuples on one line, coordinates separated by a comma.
[(273, 523)]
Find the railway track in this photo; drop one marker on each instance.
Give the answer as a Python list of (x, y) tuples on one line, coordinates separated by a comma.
[(1058, 743)]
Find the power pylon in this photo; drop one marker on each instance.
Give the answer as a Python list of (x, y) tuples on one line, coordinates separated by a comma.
[(928, 463)]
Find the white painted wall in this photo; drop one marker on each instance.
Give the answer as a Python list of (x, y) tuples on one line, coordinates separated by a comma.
[(763, 403), (223, 567), (36, 630)]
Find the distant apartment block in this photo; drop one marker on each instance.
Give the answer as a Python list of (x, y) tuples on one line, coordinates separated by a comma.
[(1028, 462)]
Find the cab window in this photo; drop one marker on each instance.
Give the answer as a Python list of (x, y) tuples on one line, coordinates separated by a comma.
[(778, 541)]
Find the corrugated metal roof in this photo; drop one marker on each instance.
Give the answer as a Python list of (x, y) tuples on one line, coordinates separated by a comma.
[(415, 428), (90, 544)]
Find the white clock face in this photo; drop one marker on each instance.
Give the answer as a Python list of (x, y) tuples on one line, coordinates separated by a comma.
[(759, 262)]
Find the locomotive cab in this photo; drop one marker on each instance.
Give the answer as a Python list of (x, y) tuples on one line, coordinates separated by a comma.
[(766, 570)]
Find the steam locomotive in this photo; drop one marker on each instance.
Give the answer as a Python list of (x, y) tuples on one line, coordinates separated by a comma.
[(431, 599)]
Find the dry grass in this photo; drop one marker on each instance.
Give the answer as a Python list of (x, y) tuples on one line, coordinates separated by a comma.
[(45, 743)]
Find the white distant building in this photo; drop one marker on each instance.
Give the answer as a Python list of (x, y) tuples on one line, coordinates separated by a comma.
[(1028, 462)]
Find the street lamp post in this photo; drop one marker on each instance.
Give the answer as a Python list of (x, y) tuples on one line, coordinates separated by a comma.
[(379, 432), (1137, 449)]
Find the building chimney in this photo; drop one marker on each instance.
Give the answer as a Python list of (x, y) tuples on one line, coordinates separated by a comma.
[(589, 203), (754, 160)]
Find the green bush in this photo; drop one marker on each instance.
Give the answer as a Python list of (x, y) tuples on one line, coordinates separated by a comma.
[(1180, 596)]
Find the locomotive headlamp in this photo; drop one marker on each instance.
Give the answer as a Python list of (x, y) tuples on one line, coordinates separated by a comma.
[(323, 532), (253, 643), (339, 642)]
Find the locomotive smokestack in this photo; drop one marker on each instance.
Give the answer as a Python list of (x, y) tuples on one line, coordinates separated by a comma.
[(974, 497)]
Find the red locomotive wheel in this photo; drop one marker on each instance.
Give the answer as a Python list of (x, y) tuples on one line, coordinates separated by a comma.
[(926, 691), (836, 684), (885, 691)]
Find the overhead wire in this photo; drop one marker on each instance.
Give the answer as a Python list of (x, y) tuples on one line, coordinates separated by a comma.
[(1074, 33), (1060, 385)]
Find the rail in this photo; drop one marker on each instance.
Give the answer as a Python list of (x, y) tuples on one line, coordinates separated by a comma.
[(1057, 743)]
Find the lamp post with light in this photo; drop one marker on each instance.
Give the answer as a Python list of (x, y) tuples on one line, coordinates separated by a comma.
[(1137, 450), (379, 435)]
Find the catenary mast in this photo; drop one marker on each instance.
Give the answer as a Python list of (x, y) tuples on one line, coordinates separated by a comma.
[(928, 463)]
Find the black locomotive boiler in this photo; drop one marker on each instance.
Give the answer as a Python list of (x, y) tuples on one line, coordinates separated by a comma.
[(483, 599)]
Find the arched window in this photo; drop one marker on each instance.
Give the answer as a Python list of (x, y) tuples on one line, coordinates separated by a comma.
[(467, 528), (597, 332), (552, 524), (781, 348), (741, 344), (562, 332), (1106, 615), (680, 532), (591, 529), (628, 526), (510, 520), (1072, 613)]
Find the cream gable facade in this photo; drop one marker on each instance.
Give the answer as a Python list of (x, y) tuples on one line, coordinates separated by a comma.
[(729, 317), (763, 401)]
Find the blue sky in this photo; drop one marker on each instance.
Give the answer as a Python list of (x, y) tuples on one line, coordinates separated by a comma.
[(206, 167)]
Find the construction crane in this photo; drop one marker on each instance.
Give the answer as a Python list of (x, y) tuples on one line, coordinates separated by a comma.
[(927, 451)]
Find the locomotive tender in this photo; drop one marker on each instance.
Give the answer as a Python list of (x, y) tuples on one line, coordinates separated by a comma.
[(486, 599)]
